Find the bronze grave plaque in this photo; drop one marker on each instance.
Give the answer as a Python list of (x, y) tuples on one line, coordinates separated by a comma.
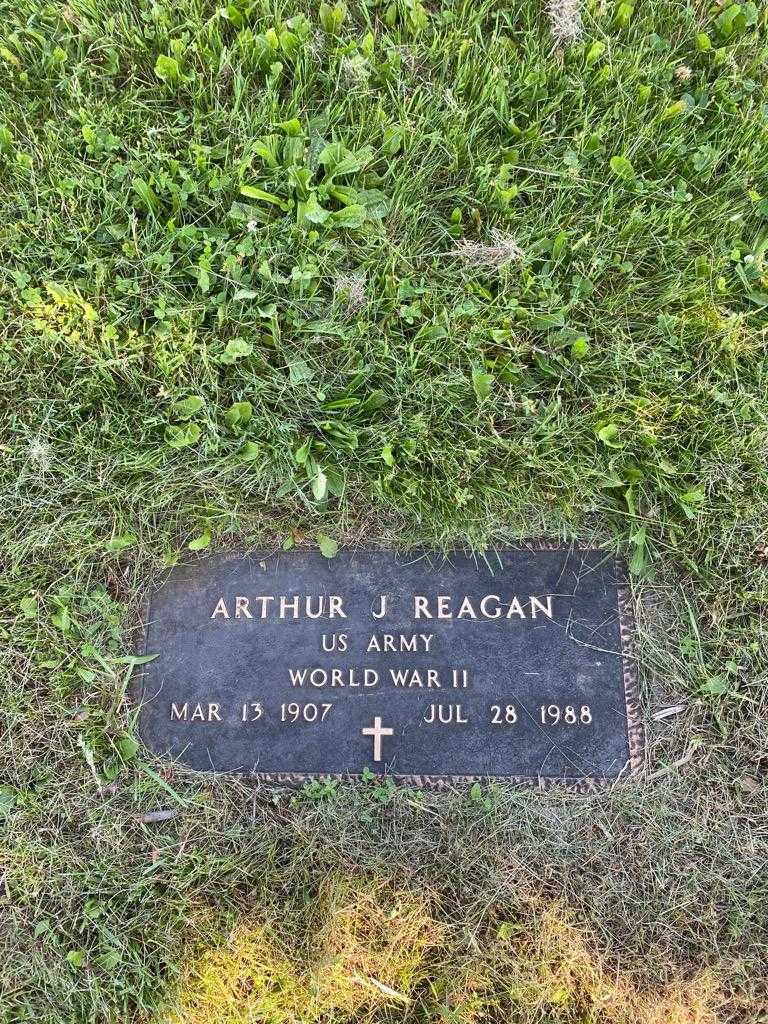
[(515, 665)]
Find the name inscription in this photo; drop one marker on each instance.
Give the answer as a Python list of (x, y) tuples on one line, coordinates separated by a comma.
[(424, 667), (318, 606)]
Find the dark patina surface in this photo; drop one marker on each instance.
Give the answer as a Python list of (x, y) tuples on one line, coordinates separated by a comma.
[(214, 670)]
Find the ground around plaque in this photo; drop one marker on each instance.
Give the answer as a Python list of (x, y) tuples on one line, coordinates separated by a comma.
[(323, 277)]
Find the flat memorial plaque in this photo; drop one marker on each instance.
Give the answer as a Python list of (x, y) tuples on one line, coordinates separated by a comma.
[(425, 667)]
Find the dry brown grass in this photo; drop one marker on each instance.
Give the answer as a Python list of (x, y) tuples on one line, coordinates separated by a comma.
[(380, 951), (374, 947), (247, 977), (371, 950), (558, 973)]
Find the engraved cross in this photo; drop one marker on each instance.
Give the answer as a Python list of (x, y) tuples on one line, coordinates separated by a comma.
[(376, 731)]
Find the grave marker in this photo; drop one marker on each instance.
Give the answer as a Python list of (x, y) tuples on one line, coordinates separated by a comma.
[(430, 668)]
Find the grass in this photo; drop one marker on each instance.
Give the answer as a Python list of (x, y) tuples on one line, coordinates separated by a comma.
[(396, 273), (382, 948)]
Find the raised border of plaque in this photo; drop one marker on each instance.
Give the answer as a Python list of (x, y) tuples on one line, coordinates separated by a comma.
[(635, 731)]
